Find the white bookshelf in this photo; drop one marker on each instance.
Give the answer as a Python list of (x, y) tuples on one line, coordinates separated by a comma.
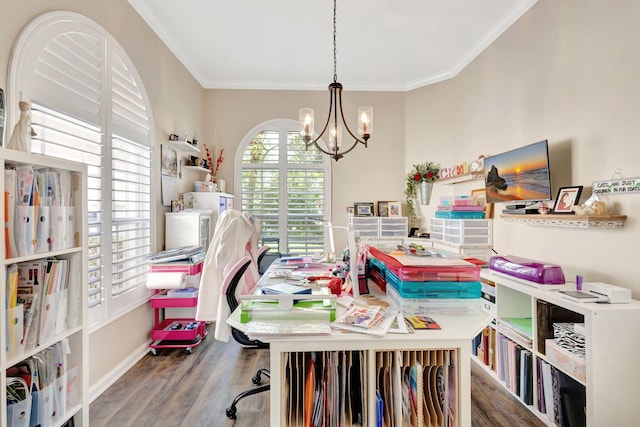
[(73, 332), (612, 345), (455, 334)]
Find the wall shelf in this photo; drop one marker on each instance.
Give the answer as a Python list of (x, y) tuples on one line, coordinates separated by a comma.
[(469, 176), (184, 146), (573, 221), (197, 169)]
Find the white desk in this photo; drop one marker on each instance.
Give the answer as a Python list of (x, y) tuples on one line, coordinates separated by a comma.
[(456, 333)]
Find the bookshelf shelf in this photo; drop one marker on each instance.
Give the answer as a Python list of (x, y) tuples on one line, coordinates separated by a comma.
[(59, 312), (599, 380), (572, 221), (184, 146), (197, 169)]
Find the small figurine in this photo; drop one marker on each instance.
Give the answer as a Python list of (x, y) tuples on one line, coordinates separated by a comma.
[(21, 138)]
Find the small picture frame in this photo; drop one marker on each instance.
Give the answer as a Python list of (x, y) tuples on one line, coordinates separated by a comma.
[(395, 209), (383, 208), (566, 198), (363, 208), (479, 197)]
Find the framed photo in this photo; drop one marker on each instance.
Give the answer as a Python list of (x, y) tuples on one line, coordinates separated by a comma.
[(363, 208), (566, 198), (395, 209), (479, 197), (383, 208)]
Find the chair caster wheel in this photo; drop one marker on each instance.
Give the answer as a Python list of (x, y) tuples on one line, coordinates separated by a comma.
[(231, 412)]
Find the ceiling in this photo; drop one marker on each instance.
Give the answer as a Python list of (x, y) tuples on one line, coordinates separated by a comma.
[(386, 45)]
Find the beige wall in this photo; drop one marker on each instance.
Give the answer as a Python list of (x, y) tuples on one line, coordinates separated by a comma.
[(364, 175), (568, 72), (176, 102)]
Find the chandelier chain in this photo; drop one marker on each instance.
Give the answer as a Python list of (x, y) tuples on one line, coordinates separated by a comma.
[(335, 50)]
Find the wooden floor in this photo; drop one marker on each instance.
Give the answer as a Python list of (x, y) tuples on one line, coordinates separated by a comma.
[(175, 389)]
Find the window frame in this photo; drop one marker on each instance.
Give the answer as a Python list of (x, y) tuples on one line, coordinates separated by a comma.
[(283, 126), (25, 54)]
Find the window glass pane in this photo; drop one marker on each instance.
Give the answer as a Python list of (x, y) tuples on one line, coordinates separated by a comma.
[(283, 183), (264, 148), (298, 152)]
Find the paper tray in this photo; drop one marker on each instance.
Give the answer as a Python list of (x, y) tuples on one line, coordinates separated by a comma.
[(287, 306)]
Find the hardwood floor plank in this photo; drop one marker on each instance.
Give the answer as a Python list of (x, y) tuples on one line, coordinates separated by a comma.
[(174, 389)]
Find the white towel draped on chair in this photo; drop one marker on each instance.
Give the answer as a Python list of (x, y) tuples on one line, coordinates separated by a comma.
[(236, 235)]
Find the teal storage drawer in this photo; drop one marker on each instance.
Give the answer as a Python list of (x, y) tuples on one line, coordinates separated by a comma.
[(433, 289)]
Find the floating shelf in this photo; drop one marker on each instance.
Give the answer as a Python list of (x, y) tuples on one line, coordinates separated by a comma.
[(184, 146), (197, 168), (573, 221), (469, 176)]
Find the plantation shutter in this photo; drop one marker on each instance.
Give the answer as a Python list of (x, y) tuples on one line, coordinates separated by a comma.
[(285, 185), (88, 106)]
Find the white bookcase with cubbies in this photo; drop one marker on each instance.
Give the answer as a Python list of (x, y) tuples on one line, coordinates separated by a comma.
[(528, 352), (46, 231)]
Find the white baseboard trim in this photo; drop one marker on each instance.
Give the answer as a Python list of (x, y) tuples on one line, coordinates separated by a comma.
[(108, 380)]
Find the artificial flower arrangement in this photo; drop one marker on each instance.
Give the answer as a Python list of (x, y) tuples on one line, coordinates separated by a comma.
[(215, 167), (423, 172)]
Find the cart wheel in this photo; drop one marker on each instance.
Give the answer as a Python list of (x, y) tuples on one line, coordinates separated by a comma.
[(188, 350), (231, 412)]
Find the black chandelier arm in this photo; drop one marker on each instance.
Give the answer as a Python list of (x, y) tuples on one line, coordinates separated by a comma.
[(346, 126)]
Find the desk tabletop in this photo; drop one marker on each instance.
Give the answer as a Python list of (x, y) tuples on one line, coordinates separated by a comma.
[(459, 319)]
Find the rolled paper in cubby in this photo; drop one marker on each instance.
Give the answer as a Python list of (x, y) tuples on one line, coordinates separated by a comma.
[(166, 280)]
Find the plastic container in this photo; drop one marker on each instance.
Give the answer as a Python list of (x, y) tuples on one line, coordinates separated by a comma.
[(439, 289), (454, 273), (431, 306), (460, 214)]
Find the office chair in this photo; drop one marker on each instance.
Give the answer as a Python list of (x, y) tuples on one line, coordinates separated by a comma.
[(229, 287), (261, 253)]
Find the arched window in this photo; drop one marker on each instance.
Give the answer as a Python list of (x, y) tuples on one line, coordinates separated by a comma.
[(89, 105), (286, 185)]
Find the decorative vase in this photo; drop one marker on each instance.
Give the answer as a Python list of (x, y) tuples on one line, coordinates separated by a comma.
[(425, 192)]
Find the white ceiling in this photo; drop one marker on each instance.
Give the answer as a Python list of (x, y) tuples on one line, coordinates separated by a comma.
[(389, 45)]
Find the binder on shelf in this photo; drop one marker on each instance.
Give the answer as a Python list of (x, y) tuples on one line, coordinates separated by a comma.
[(10, 188)]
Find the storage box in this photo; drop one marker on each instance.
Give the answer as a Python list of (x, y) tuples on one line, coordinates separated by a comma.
[(460, 214), (462, 231), (454, 273), (436, 289), (433, 306), (566, 360)]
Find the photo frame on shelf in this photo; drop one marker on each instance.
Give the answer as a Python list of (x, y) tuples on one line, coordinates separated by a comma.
[(363, 208), (383, 208), (566, 198), (479, 197), (395, 209)]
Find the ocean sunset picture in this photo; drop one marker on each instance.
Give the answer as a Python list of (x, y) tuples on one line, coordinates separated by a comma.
[(519, 174)]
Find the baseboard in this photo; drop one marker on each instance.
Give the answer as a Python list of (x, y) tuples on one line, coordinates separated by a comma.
[(114, 375)]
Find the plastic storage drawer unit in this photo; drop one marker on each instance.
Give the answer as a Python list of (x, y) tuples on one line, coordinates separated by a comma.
[(434, 289), (452, 273)]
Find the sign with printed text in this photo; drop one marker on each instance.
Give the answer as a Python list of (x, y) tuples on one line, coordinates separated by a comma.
[(617, 186)]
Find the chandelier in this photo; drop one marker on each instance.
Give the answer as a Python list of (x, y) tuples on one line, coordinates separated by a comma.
[(334, 146)]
